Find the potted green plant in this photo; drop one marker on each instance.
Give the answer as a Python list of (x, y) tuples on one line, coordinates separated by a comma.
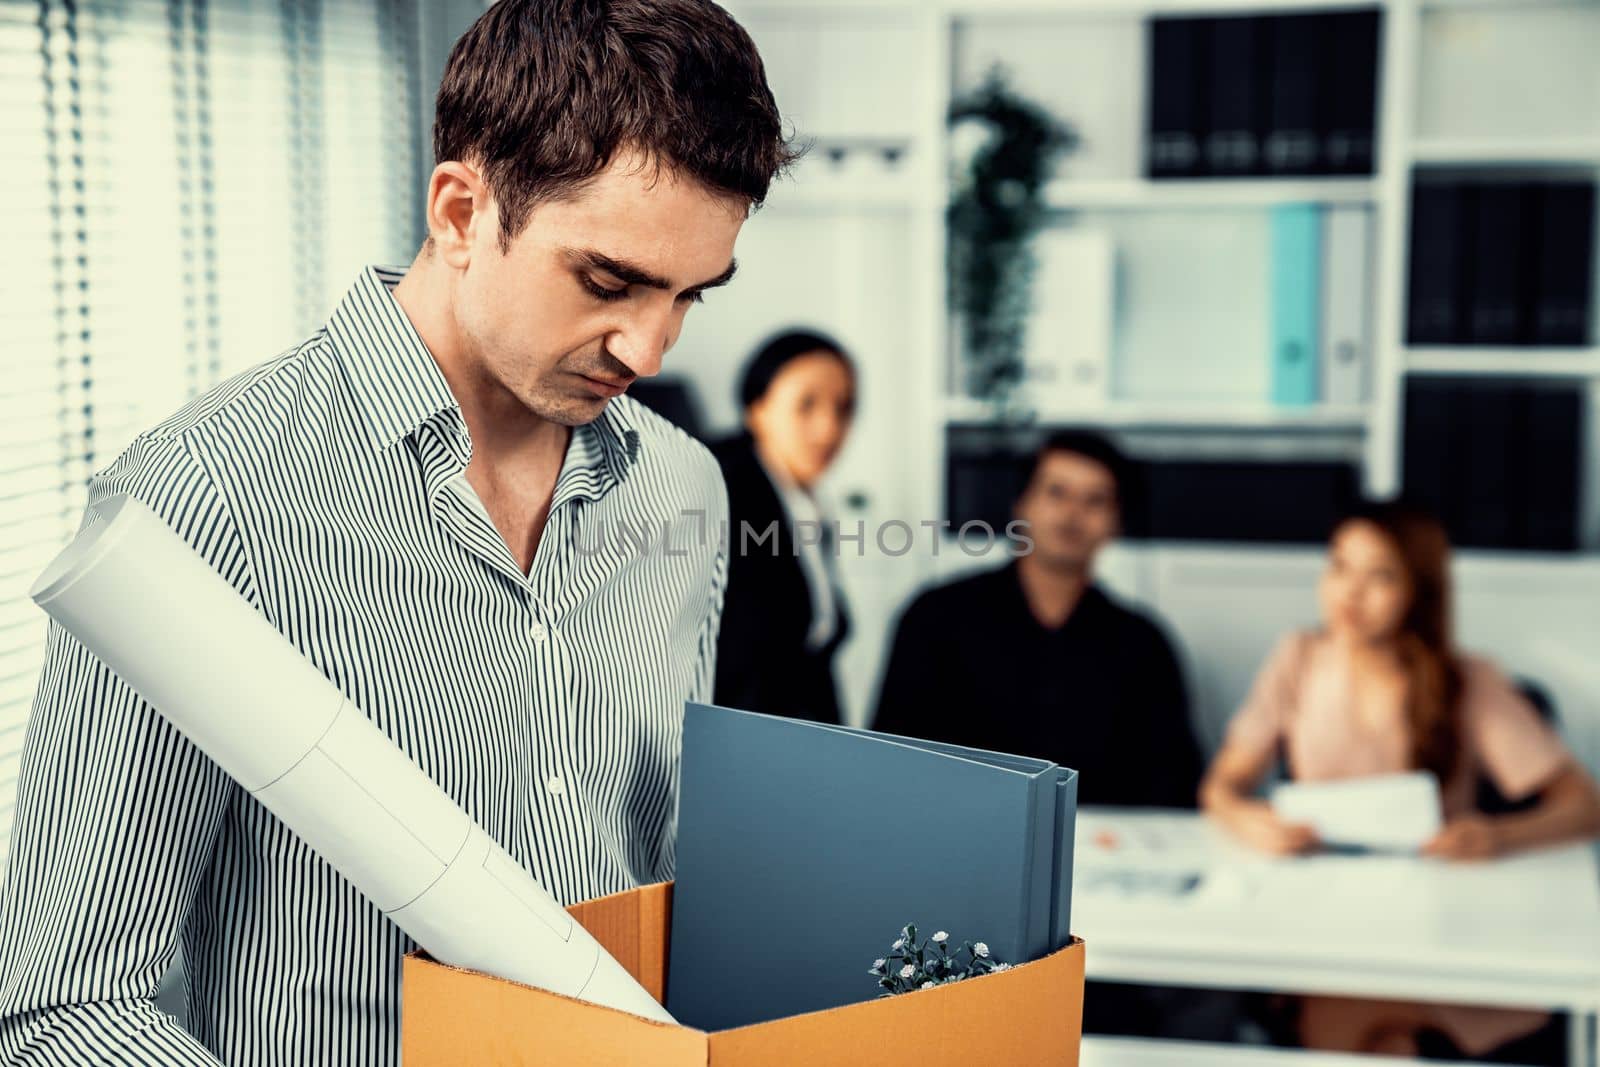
[(1007, 148)]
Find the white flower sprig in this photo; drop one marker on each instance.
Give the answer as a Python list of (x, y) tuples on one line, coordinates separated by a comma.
[(911, 966)]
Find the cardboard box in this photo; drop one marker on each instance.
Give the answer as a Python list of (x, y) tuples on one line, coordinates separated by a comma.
[(1030, 1014)]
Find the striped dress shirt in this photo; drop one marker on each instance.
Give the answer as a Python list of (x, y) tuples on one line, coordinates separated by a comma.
[(328, 487)]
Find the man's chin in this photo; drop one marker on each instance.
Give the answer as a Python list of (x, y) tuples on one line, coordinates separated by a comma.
[(575, 409), (1073, 560)]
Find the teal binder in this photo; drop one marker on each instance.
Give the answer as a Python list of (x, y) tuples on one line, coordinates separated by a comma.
[(1296, 295), (803, 848)]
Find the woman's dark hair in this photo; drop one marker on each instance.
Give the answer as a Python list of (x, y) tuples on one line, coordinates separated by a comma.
[(540, 95), (776, 352), (1426, 642)]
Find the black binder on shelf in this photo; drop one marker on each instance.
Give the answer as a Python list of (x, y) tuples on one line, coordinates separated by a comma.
[(1232, 142), (1292, 502), (1435, 283), (1426, 468), (1487, 434), (1499, 291), (1500, 461), (1177, 60), (1562, 228), (1550, 467), (983, 477), (1351, 91), (1292, 140)]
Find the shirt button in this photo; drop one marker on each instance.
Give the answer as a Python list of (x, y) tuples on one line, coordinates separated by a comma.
[(538, 632), (556, 786)]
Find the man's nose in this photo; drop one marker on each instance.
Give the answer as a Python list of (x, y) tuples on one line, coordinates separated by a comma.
[(642, 342)]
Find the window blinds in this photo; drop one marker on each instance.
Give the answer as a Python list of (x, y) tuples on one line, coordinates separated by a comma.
[(192, 185)]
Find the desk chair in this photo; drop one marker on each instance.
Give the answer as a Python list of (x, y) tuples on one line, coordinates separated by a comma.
[(1489, 800)]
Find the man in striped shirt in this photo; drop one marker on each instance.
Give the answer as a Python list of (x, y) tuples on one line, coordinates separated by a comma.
[(444, 501)]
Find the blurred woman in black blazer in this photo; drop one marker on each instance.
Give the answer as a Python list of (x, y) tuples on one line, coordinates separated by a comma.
[(784, 617)]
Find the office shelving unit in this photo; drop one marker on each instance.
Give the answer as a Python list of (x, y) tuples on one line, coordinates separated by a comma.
[(931, 51)]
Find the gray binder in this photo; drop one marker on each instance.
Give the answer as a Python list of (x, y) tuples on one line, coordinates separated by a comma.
[(803, 848)]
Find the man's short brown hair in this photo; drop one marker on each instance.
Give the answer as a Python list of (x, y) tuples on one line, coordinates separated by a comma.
[(540, 95)]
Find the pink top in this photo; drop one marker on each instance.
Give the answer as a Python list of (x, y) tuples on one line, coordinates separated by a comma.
[(1306, 700)]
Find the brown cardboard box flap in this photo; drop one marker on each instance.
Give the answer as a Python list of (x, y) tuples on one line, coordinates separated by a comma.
[(1028, 1014), (634, 927), (1031, 1014)]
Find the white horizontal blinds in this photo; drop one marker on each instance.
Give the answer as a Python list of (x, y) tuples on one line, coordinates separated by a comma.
[(369, 101), (139, 255), (261, 251), (315, 160), (44, 444), (189, 186), (302, 49), (188, 44)]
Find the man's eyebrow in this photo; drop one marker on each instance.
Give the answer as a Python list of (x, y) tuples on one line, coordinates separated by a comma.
[(722, 279), (632, 274)]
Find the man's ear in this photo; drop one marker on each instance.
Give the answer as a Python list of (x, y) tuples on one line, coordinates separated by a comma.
[(458, 204)]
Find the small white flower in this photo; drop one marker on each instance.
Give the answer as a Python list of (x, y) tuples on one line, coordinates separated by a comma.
[(1002, 967), (899, 943), (876, 964), (927, 985), (941, 937), (907, 971), (981, 949)]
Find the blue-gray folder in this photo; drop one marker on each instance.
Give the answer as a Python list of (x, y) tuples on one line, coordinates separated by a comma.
[(803, 848)]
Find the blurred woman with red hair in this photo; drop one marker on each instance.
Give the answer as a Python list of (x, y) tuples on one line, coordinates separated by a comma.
[(1380, 688)]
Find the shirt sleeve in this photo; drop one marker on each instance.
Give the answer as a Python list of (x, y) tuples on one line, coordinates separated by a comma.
[(116, 818), (1174, 763), (1505, 735), (705, 671), (1262, 720)]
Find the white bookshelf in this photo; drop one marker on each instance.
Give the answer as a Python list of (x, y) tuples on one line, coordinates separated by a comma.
[(1508, 151), (861, 253), (1142, 193), (1469, 5), (1086, 59), (1514, 362), (1141, 416)]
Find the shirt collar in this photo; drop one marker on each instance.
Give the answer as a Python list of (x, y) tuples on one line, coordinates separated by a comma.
[(397, 384), (800, 504), (1090, 604), (399, 387), (618, 431)]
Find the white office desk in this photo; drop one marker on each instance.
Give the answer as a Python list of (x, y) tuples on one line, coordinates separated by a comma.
[(1517, 932), (1098, 1051)]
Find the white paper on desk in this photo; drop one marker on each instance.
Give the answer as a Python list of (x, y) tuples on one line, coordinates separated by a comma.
[(1391, 812)]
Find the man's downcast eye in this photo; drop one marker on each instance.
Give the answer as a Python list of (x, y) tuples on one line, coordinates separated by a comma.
[(600, 292)]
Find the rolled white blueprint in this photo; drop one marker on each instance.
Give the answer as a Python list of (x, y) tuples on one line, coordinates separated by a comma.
[(155, 612)]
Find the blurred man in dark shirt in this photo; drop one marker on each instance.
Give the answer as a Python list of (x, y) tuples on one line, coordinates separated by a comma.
[(1036, 659)]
